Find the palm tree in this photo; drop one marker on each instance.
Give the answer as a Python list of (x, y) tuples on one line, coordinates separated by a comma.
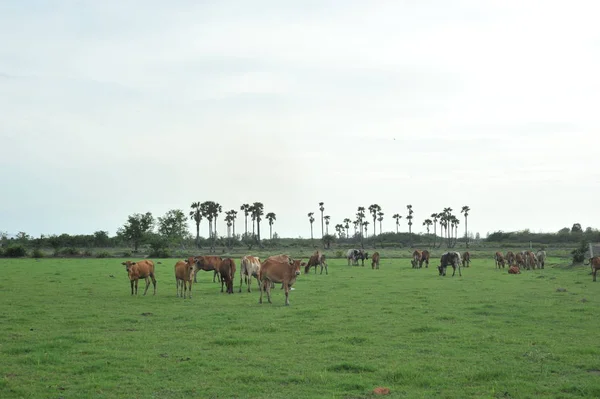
[(447, 216), (271, 217), (356, 223), (196, 216), (409, 217), (373, 209), (397, 217), (233, 214), (366, 225), (253, 218), (311, 219), (380, 219), (456, 222), (347, 226), (327, 217), (434, 216), (217, 209), (465, 210), (246, 209), (257, 213), (322, 208), (427, 223), (360, 216), (339, 228)]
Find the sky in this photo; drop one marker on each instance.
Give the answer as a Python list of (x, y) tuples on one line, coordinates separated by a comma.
[(119, 107)]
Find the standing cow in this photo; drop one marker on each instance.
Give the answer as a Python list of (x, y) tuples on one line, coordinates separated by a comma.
[(499, 259), (184, 277), (424, 258), (140, 269), (249, 267), (510, 258), (375, 261), (278, 271), (416, 258), (541, 258), (466, 259), (450, 259)]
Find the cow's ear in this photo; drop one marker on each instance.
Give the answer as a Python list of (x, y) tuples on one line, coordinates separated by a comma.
[(124, 264), (303, 264)]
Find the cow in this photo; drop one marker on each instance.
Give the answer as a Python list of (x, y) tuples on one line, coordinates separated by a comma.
[(249, 267), (140, 269), (514, 270), (424, 258), (519, 260), (594, 265), (184, 277), (416, 258), (206, 263), (227, 271), (375, 261), (450, 259), (466, 259), (530, 260), (510, 258), (278, 271), (541, 258), (499, 259), (317, 259), (355, 254), (351, 256)]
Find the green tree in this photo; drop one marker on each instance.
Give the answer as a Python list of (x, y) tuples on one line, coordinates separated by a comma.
[(246, 209), (347, 226), (339, 228), (322, 208), (327, 240), (576, 228), (434, 217), (137, 228), (380, 220), (311, 219), (327, 219), (271, 217), (373, 209), (465, 210), (101, 239), (397, 217), (173, 226), (360, 217), (196, 216), (257, 212)]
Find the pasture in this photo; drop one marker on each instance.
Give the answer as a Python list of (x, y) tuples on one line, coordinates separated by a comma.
[(70, 330)]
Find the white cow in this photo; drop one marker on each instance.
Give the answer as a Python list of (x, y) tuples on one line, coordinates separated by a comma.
[(250, 267)]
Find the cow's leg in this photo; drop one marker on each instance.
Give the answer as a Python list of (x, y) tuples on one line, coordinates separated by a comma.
[(177, 287), (261, 287), (594, 274), (459, 273), (147, 280), (287, 294), (269, 292), (131, 281), (153, 282), (136, 286)]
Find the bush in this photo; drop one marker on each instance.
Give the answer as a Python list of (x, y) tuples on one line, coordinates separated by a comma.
[(15, 251), (70, 251), (87, 252), (579, 253), (127, 254), (102, 254), (339, 254), (159, 249), (37, 253)]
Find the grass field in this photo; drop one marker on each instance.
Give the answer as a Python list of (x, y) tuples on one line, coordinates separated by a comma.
[(70, 330)]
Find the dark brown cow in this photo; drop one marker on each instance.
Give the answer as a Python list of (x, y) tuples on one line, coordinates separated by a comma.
[(595, 265), (514, 270), (206, 263), (510, 258), (278, 271), (375, 261), (416, 258), (227, 271), (317, 259), (499, 258), (466, 259), (184, 277), (519, 260), (249, 267), (424, 258), (140, 269)]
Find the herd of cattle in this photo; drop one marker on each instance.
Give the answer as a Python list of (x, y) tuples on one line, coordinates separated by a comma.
[(284, 270)]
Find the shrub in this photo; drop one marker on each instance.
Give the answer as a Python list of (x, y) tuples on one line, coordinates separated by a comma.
[(15, 251), (339, 254), (37, 253), (159, 249), (579, 253), (127, 254), (102, 254), (70, 251), (87, 252)]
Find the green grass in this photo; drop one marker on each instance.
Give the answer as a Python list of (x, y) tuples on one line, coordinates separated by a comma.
[(68, 329)]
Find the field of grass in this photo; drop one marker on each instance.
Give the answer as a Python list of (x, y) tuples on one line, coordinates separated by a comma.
[(69, 328)]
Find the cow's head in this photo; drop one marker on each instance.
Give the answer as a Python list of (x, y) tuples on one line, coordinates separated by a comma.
[(128, 264), (441, 270), (296, 266)]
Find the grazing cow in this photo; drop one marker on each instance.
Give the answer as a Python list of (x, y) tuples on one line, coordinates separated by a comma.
[(184, 277), (362, 255), (278, 271), (510, 258), (227, 271), (424, 258), (519, 260), (466, 259), (317, 259), (355, 254), (375, 261), (450, 259), (499, 260), (207, 263), (514, 270), (595, 265), (530, 260), (416, 258), (541, 258), (249, 268), (140, 269)]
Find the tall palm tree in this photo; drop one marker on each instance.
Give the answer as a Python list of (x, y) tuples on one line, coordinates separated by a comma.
[(366, 225), (327, 218), (434, 216), (397, 217), (233, 214), (356, 224), (253, 218), (456, 223), (347, 226), (257, 213), (373, 209), (196, 216), (409, 218), (360, 216), (465, 210), (427, 223), (217, 209), (271, 218), (246, 209), (339, 228), (322, 208), (311, 219), (447, 217), (380, 219)]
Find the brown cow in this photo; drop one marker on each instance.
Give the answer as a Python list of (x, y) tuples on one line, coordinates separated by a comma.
[(424, 258), (375, 261), (278, 271), (227, 271), (499, 260), (466, 259), (317, 259), (416, 257), (140, 269), (514, 270), (519, 260), (184, 277), (510, 258), (206, 263), (249, 267), (530, 260), (595, 265)]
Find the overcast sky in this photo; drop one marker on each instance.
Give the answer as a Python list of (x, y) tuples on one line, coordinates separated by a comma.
[(109, 108)]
